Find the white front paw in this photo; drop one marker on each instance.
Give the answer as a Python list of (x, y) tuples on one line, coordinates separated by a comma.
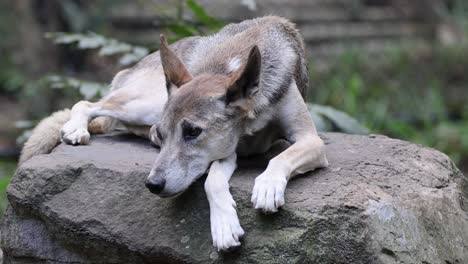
[(74, 135), (268, 192), (225, 229)]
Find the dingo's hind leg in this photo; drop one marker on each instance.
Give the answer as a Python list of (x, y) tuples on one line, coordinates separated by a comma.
[(102, 125), (118, 106), (138, 102)]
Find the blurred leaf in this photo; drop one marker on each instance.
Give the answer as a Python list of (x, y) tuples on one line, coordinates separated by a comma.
[(135, 55), (22, 124), (4, 181), (320, 123), (202, 16), (75, 18), (91, 41), (250, 4), (63, 38), (341, 120), (182, 30), (89, 90), (128, 59), (21, 139), (399, 128), (107, 46), (140, 51), (115, 47)]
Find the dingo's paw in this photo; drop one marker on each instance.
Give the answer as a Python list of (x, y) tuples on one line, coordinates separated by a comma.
[(225, 229), (73, 135), (268, 192)]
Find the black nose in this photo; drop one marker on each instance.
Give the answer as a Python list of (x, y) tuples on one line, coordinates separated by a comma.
[(155, 185)]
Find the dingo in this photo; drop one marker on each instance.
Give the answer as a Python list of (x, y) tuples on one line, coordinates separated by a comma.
[(203, 101)]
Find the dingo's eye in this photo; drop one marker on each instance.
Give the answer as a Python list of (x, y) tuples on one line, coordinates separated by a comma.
[(190, 131)]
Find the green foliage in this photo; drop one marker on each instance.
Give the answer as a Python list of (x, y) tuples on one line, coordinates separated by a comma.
[(11, 78), (7, 169), (201, 25), (207, 20), (128, 53), (87, 89), (330, 119), (460, 13), (403, 93)]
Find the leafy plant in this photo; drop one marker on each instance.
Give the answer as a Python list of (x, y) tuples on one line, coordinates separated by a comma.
[(393, 95), (87, 89), (7, 169), (202, 24), (201, 15), (327, 118), (11, 78), (128, 53), (460, 13)]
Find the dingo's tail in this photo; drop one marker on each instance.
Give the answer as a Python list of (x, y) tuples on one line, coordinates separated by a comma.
[(46, 136)]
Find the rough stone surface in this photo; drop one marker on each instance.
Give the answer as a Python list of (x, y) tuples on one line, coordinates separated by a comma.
[(380, 201)]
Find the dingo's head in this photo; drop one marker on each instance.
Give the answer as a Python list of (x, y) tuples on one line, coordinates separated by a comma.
[(202, 121)]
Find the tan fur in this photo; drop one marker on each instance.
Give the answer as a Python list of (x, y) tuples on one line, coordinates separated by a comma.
[(45, 136), (207, 85), (141, 131), (102, 125)]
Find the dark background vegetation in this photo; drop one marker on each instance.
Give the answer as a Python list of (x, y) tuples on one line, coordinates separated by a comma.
[(399, 67)]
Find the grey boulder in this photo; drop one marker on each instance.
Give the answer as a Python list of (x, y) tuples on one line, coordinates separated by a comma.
[(381, 201)]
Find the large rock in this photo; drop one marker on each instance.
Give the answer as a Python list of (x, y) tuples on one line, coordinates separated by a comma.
[(380, 201)]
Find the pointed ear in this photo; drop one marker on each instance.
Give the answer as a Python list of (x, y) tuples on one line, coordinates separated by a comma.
[(175, 71), (246, 79)]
